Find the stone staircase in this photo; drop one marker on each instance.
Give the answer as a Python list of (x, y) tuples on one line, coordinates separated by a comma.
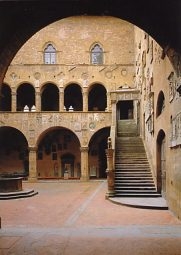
[(133, 177)]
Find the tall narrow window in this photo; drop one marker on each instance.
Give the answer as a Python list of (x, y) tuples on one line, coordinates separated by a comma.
[(50, 54), (97, 55)]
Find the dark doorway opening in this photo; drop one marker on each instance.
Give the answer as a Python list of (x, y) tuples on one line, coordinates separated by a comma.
[(125, 110)]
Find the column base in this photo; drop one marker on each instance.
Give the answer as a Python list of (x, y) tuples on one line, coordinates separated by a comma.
[(109, 194), (84, 179), (32, 179)]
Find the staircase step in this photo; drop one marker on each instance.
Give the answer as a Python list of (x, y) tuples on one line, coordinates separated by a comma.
[(133, 176), (18, 194)]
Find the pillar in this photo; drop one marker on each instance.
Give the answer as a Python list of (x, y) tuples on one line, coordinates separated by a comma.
[(13, 102), (110, 173), (61, 100), (38, 102), (32, 164), (108, 101), (114, 112), (84, 164), (85, 100)]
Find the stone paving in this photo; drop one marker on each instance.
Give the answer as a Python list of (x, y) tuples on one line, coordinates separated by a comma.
[(68, 218)]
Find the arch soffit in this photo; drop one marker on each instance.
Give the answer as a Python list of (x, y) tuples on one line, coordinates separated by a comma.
[(6, 84), (43, 85), (94, 84), (46, 131), (97, 131), (18, 131), (73, 83), (25, 83)]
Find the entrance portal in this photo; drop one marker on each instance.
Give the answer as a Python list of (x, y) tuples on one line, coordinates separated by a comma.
[(125, 109), (161, 163), (68, 165)]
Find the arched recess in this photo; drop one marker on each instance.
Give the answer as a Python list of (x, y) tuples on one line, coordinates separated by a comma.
[(49, 55), (96, 55), (14, 154), (5, 98), (55, 146), (49, 97), (160, 103), (73, 97), (161, 162), (25, 96), (97, 155), (125, 110), (97, 98)]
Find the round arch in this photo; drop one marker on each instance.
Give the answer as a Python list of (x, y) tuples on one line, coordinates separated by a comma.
[(49, 97), (160, 103), (14, 153), (97, 156), (24, 15), (161, 162), (5, 99), (96, 92), (25, 96), (52, 145), (73, 97)]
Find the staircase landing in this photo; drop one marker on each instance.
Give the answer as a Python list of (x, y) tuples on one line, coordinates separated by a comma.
[(157, 203)]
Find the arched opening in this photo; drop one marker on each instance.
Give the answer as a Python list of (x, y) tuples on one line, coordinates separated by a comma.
[(97, 99), (50, 98), (125, 109), (25, 96), (5, 99), (73, 97), (68, 161), (49, 54), (96, 55), (97, 155), (14, 154), (161, 163), (160, 103), (53, 155)]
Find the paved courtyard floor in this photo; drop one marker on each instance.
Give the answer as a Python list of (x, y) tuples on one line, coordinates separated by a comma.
[(74, 218)]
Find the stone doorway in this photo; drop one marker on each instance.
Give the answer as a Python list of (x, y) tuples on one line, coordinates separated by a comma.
[(67, 161), (161, 163), (125, 109)]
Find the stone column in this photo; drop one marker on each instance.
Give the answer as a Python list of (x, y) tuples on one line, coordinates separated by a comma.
[(114, 112), (85, 100), (110, 173), (108, 101), (32, 164), (38, 101), (61, 99), (84, 164), (13, 102)]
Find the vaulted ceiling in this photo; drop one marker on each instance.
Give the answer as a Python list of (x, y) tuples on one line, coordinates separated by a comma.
[(19, 20)]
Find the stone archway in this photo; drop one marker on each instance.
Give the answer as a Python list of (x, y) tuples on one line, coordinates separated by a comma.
[(14, 153), (97, 156), (30, 16), (54, 149), (161, 163)]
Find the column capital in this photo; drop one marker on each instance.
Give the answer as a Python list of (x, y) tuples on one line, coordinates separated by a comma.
[(33, 148), (84, 149)]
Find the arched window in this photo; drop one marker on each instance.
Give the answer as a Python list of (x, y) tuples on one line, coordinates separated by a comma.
[(160, 103), (96, 55), (50, 54), (97, 98)]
